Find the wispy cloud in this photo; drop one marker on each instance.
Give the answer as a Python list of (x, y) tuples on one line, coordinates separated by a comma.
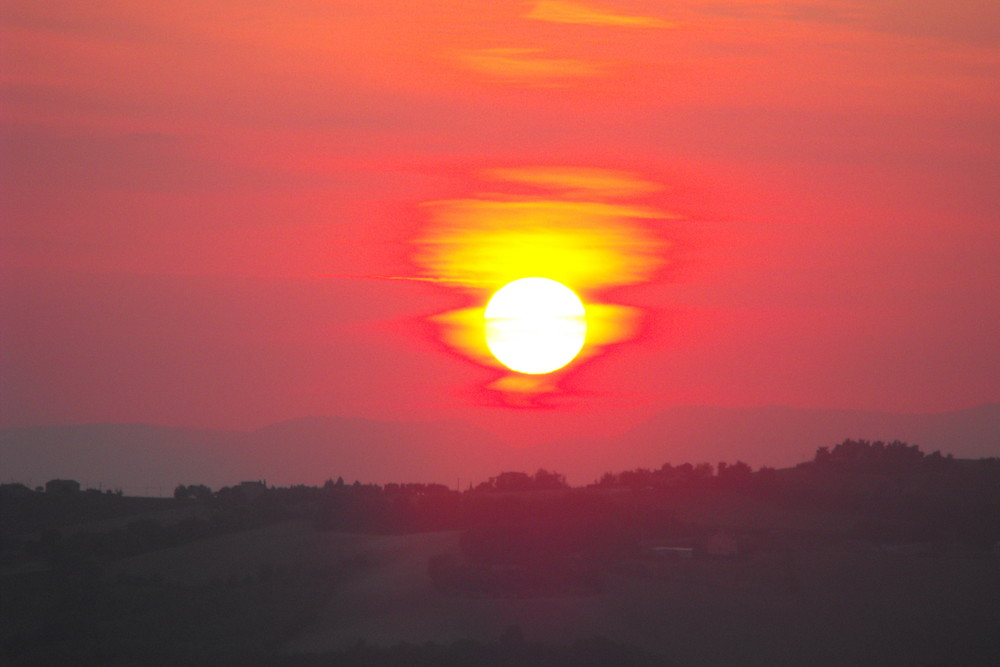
[(559, 11), (577, 181), (526, 65)]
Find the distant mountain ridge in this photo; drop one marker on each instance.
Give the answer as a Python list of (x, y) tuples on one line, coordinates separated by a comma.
[(151, 460)]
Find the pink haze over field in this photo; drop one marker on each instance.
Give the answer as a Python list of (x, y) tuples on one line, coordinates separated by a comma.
[(210, 209)]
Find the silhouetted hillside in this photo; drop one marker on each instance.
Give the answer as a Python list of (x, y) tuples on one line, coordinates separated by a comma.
[(870, 553), (769, 436)]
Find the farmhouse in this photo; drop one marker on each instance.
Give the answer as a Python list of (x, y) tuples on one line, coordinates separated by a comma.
[(252, 490), (62, 486), (670, 553)]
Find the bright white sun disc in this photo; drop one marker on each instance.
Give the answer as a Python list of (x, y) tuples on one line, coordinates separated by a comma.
[(535, 325)]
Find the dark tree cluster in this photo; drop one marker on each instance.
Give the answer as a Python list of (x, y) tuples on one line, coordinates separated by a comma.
[(685, 475), (902, 493), (878, 456), (542, 480), (198, 492)]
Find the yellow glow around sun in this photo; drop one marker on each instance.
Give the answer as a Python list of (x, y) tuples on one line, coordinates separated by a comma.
[(535, 325), (586, 228)]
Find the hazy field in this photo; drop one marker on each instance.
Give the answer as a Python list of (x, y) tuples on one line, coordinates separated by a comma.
[(807, 607)]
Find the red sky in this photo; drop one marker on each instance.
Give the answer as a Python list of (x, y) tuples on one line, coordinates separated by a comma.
[(198, 198)]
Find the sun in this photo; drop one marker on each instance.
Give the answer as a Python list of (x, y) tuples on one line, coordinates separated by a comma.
[(535, 325)]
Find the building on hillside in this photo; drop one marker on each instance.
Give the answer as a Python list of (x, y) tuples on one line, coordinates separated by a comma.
[(252, 490), (512, 481), (62, 486), (669, 553)]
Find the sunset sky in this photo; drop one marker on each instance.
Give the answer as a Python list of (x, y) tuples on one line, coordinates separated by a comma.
[(217, 213)]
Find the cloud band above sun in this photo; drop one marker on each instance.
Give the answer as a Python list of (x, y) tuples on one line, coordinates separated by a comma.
[(570, 230)]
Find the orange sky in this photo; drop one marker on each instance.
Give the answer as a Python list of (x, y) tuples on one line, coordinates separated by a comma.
[(197, 198)]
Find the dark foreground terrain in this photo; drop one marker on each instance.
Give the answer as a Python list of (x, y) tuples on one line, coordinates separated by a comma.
[(846, 560)]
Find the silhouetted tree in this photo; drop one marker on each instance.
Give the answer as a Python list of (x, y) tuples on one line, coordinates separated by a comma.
[(549, 480), (738, 475)]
